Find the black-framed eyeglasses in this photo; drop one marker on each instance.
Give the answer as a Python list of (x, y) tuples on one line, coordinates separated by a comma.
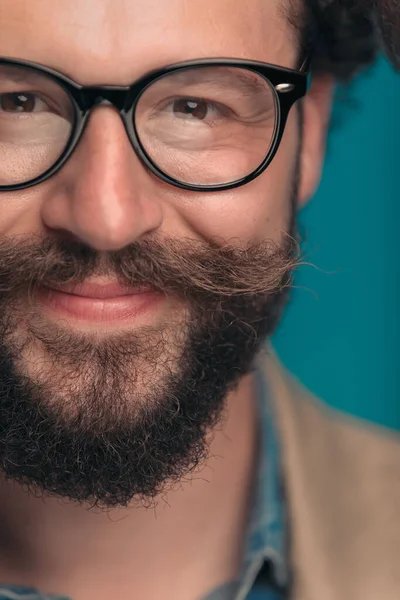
[(202, 125)]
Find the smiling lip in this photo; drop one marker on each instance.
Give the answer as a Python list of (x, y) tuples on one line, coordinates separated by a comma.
[(95, 302)]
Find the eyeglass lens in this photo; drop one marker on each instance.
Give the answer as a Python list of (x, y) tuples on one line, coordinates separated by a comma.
[(200, 126)]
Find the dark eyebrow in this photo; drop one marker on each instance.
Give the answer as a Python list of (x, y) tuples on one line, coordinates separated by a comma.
[(17, 74), (246, 81), (225, 78)]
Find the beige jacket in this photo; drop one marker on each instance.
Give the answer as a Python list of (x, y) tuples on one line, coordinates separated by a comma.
[(343, 483)]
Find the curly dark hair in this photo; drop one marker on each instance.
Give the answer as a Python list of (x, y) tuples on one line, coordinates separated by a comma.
[(387, 18), (340, 34)]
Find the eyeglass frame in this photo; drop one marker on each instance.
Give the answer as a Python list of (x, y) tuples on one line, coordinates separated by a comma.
[(288, 86)]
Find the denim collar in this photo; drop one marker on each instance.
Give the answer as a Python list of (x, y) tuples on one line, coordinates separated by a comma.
[(267, 533)]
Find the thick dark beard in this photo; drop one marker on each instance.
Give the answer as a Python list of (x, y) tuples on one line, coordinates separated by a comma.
[(105, 454), (100, 441)]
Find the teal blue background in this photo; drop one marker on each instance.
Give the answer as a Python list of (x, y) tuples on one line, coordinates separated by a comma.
[(340, 332)]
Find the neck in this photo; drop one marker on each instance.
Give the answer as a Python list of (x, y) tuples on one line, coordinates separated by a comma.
[(196, 529)]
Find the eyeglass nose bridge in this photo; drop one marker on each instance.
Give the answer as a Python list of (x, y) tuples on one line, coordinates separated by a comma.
[(91, 97)]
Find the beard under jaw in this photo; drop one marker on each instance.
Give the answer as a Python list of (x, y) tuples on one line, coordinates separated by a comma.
[(108, 419)]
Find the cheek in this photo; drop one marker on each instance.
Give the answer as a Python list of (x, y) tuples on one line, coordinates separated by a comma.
[(257, 211), (19, 212)]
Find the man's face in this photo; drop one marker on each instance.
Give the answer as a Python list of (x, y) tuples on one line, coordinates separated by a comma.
[(104, 400)]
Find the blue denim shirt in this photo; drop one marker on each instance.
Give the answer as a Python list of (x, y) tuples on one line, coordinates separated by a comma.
[(266, 539), (267, 536)]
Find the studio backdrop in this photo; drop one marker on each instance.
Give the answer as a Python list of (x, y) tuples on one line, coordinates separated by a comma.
[(340, 334)]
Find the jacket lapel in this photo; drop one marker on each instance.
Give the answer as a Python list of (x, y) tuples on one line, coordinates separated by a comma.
[(342, 480)]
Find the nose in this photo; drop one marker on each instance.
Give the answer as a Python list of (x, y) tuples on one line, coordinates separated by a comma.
[(104, 196)]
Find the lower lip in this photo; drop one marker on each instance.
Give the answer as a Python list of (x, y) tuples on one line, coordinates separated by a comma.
[(120, 308)]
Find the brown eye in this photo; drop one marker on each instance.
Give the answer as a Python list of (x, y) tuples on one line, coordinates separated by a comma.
[(195, 108), (18, 102)]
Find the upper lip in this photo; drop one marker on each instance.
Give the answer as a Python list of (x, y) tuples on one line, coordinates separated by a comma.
[(100, 291)]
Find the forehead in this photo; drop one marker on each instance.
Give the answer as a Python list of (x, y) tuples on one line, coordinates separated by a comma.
[(118, 40)]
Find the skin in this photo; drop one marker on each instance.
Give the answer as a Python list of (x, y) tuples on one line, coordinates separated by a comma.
[(105, 198)]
